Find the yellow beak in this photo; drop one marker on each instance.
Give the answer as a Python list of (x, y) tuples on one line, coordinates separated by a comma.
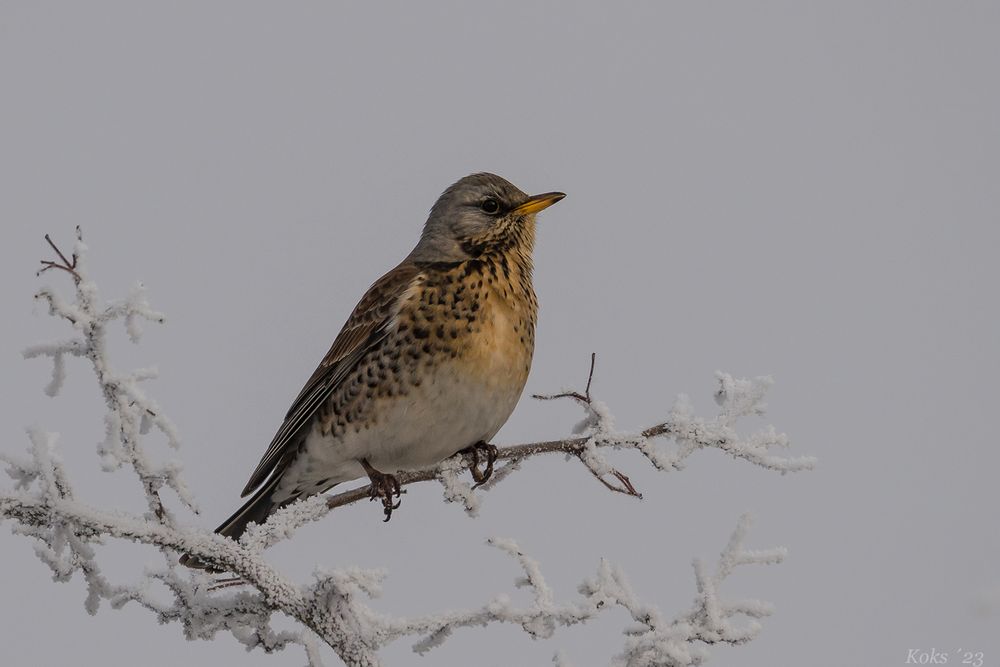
[(537, 203)]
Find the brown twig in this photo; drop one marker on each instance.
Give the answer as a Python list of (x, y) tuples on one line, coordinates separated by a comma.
[(590, 375), (227, 582), (66, 265), (626, 487), (583, 398), (627, 483)]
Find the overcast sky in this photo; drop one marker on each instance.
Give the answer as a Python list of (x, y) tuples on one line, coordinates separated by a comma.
[(761, 188)]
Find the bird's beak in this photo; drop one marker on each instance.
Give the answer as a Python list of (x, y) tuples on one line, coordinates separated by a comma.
[(537, 203)]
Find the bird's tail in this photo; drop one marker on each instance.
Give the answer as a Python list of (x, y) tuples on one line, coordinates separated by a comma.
[(255, 510)]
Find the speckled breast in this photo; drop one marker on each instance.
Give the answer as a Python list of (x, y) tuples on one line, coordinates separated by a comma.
[(447, 376)]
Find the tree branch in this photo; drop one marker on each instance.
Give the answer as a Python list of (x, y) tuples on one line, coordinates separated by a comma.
[(331, 609), (690, 434)]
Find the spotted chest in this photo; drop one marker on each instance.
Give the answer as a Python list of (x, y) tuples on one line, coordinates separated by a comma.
[(481, 312), (463, 335)]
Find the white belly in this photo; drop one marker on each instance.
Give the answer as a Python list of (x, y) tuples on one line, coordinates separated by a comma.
[(453, 408), (449, 412)]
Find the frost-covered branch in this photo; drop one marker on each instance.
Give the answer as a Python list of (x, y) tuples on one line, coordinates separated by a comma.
[(653, 640), (333, 608), (666, 446), (131, 414), (67, 530)]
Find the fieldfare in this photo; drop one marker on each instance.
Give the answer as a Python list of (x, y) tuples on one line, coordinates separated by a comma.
[(432, 360)]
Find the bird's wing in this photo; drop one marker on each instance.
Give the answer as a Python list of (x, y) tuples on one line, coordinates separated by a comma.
[(365, 328)]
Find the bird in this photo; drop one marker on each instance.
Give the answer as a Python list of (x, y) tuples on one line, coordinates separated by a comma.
[(431, 362)]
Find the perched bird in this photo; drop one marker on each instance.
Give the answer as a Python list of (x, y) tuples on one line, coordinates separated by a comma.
[(431, 362)]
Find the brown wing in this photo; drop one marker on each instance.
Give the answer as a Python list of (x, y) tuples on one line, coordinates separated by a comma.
[(365, 328)]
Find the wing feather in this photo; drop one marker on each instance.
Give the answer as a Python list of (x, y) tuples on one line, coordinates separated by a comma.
[(367, 326)]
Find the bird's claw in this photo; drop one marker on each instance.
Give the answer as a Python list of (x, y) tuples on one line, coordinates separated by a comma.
[(490, 451), (383, 487)]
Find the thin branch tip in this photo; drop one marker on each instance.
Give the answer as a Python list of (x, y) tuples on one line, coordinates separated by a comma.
[(63, 264), (590, 375)]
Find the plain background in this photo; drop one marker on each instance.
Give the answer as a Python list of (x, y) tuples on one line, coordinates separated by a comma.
[(798, 189)]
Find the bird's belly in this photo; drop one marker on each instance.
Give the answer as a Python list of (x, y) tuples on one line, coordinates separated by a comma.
[(450, 410), (457, 403)]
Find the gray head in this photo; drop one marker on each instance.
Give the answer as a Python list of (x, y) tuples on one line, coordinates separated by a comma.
[(477, 211)]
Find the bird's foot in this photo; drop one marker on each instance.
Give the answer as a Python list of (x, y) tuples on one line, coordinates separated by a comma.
[(475, 451), (383, 487)]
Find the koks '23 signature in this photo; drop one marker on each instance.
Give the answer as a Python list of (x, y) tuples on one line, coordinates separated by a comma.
[(919, 656)]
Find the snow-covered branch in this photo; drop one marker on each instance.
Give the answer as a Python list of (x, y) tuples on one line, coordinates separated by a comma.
[(131, 414), (666, 446), (334, 609)]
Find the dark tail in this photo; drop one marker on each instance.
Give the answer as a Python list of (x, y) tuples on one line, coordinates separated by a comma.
[(255, 510)]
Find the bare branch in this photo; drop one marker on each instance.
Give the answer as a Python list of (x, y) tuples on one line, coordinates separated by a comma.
[(63, 264)]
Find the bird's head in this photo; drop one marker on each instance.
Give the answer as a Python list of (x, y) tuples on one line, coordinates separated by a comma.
[(479, 213)]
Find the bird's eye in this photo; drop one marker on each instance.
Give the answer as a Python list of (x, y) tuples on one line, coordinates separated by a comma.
[(491, 206)]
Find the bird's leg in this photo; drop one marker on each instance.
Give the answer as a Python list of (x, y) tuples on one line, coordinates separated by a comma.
[(490, 451), (382, 486)]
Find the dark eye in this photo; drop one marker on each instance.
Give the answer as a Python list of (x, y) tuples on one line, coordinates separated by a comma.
[(491, 206)]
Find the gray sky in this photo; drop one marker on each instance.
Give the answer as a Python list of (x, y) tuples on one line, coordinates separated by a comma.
[(761, 188)]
